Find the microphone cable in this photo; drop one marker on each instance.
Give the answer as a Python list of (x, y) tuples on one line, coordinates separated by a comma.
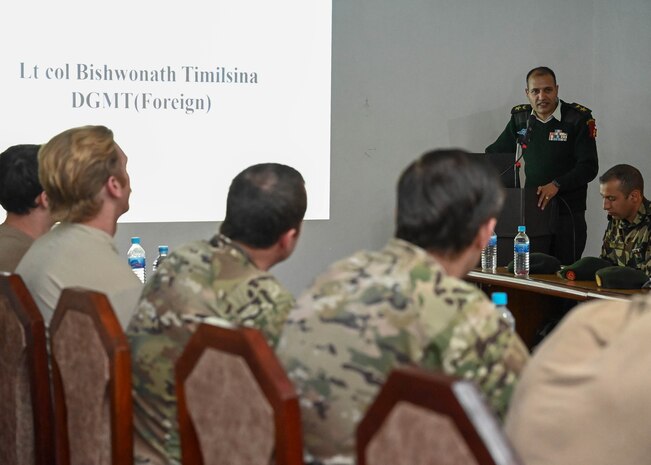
[(573, 227), (510, 167)]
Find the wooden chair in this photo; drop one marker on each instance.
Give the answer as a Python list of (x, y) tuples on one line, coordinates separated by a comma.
[(26, 435), (429, 418), (235, 402), (91, 369)]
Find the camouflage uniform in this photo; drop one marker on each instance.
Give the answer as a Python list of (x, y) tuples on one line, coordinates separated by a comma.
[(629, 244), (199, 282), (377, 310)]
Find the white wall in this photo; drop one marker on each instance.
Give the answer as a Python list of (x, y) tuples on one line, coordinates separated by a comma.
[(413, 75)]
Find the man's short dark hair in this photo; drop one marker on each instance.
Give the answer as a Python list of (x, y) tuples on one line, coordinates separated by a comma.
[(19, 184), (541, 71), (264, 201), (443, 199), (628, 176)]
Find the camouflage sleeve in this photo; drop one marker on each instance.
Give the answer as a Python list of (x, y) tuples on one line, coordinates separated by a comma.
[(266, 304), (479, 346), (608, 249)]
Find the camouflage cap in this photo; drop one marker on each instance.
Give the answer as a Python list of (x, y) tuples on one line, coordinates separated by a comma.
[(620, 277), (584, 269), (540, 263)]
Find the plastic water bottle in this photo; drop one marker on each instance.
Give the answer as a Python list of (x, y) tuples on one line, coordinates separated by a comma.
[(162, 254), (489, 255), (500, 300), (136, 256), (521, 253)]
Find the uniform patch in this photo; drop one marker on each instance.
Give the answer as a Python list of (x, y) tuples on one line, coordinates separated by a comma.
[(519, 108), (558, 136), (522, 132), (592, 128)]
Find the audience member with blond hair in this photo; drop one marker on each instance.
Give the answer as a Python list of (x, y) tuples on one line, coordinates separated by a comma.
[(84, 174)]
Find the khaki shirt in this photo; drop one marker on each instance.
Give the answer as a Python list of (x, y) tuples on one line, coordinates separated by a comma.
[(584, 396), (13, 245), (72, 254)]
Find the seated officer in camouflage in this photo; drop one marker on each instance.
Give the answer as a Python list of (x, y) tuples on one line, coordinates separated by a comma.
[(224, 279), (403, 305), (627, 240)]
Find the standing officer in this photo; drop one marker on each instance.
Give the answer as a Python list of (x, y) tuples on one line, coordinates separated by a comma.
[(560, 156)]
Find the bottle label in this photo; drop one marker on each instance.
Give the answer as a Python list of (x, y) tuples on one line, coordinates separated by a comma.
[(137, 262), (492, 240), (521, 248)]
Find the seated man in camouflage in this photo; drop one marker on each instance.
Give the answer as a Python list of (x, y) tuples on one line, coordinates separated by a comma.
[(403, 305), (627, 240), (225, 278)]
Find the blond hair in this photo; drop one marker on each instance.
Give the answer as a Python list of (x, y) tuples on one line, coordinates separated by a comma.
[(73, 168)]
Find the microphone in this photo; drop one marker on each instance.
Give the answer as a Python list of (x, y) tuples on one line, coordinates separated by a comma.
[(531, 121)]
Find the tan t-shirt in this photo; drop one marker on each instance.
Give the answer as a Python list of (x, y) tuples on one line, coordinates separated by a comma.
[(77, 255), (584, 396), (13, 245)]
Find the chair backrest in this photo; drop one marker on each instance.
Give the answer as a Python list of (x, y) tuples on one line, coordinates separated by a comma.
[(421, 417), (91, 370), (26, 434), (235, 402)]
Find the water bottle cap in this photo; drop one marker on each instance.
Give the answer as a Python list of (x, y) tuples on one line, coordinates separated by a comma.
[(163, 249), (135, 240), (499, 298), (522, 228)]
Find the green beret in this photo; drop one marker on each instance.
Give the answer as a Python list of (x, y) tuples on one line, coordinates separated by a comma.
[(540, 263), (584, 269), (620, 277)]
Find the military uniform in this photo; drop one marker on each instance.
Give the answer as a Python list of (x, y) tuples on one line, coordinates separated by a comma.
[(561, 150), (378, 310), (629, 244), (200, 282)]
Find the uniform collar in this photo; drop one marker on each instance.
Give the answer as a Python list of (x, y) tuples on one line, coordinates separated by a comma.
[(556, 114), (643, 212), (221, 241)]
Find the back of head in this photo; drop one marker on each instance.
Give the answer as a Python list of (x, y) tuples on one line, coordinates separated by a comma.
[(264, 201), (73, 168), (443, 199), (629, 178), (19, 184)]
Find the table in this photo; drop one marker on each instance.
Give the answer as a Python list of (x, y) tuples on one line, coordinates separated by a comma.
[(541, 298)]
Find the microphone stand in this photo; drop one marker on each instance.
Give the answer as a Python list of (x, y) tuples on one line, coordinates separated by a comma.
[(519, 153), (520, 146)]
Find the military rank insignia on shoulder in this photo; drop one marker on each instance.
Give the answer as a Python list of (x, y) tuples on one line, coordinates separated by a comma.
[(581, 109), (521, 108)]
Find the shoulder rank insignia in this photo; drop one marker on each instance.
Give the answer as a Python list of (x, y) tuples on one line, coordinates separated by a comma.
[(581, 108), (519, 108)]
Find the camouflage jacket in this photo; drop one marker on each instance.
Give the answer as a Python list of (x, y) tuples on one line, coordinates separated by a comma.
[(199, 282), (377, 310), (629, 244)]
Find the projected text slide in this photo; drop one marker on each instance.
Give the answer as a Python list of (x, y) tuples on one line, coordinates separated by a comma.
[(194, 91)]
